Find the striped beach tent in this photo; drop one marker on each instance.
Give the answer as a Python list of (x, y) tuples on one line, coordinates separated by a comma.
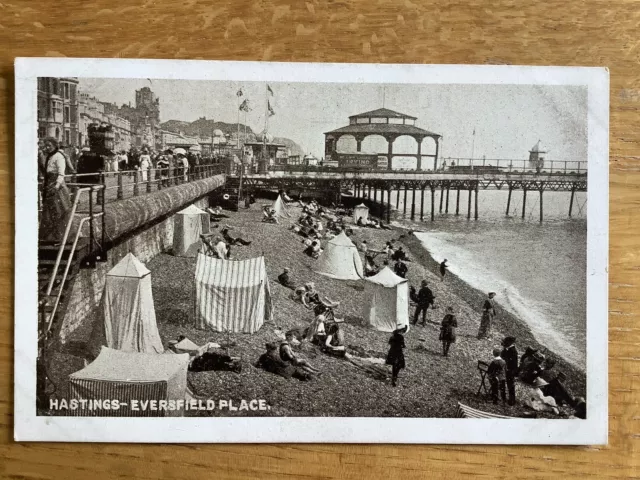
[(129, 376), (232, 295), (386, 305), (465, 411)]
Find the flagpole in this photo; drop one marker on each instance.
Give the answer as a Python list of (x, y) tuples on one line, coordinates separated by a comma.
[(266, 108), (238, 135), (473, 145)]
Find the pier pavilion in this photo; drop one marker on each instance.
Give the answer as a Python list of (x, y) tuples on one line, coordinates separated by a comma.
[(388, 124)]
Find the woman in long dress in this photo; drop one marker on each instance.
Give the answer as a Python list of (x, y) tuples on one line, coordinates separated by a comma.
[(395, 357), (488, 312), (56, 203), (448, 331)]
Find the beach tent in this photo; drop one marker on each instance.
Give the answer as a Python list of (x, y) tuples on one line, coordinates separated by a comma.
[(129, 314), (127, 376), (386, 306), (232, 295), (188, 225), (280, 207), (340, 259), (360, 211)]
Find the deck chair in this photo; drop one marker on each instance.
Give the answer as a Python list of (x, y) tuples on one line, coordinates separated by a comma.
[(465, 411), (483, 367), (207, 246)]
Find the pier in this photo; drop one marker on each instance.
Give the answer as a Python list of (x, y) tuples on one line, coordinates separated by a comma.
[(379, 185)]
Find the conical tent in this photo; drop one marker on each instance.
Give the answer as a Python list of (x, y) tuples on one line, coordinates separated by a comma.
[(188, 225), (232, 296), (280, 207), (386, 306), (360, 211), (340, 259), (129, 314), (130, 377)]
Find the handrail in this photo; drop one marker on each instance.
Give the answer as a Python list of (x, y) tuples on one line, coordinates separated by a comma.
[(63, 242), (66, 270)]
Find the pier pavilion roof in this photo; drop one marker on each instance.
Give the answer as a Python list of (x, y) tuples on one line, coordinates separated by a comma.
[(383, 112), (383, 129)]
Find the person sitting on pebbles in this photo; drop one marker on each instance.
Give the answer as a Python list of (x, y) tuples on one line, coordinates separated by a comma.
[(285, 279), (334, 343), (287, 355)]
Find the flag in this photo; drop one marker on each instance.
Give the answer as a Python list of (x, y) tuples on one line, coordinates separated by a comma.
[(269, 89), (239, 93), (270, 110), (244, 106)]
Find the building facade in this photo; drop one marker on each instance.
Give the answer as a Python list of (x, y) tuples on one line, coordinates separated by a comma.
[(91, 110), (58, 109), (144, 118)]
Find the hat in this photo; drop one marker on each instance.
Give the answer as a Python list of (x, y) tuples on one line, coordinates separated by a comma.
[(424, 283), (492, 293), (538, 356), (508, 341), (539, 382), (286, 269)]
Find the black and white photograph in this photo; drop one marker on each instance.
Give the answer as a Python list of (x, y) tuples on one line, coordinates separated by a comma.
[(255, 252)]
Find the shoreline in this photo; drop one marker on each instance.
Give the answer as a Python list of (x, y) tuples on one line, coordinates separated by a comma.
[(505, 322)]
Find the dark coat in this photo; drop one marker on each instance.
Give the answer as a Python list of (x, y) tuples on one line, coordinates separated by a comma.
[(510, 356), (448, 329), (396, 355), (425, 297)]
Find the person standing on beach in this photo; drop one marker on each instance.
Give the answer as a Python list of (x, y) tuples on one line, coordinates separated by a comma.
[(425, 299), (496, 376), (448, 331), (395, 357), (443, 268), (510, 356), (488, 312)]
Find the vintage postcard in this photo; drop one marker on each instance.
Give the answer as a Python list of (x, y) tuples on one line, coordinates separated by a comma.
[(286, 252)]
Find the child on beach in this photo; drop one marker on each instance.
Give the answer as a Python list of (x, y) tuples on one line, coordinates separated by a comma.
[(496, 376), (448, 331)]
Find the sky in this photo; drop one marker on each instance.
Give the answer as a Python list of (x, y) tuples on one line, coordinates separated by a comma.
[(508, 119)]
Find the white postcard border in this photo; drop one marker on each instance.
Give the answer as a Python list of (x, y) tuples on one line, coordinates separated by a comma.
[(30, 427)]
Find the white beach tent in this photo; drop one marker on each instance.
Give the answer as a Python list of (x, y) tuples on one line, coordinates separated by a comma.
[(386, 305), (127, 376), (188, 225), (129, 313), (232, 295), (280, 207), (340, 259), (360, 211)]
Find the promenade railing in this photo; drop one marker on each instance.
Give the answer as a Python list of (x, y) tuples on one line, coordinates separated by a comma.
[(132, 183)]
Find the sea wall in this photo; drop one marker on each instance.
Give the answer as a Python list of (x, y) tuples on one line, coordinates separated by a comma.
[(85, 294)]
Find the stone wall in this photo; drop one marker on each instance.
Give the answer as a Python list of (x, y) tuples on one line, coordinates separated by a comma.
[(83, 308)]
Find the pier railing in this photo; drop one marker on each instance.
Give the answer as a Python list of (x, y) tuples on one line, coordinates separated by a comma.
[(462, 166)]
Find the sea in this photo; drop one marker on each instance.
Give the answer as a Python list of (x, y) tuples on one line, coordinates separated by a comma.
[(537, 269)]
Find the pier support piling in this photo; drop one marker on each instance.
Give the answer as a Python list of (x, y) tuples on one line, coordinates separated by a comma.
[(413, 204), (509, 201), (441, 197), (475, 216), (388, 206), (433, 203), (458, 201), (404, 206), (421, 204), (524, 202), (573, 192), (541, 214), (397, 199), (469, 204), (446, 208)]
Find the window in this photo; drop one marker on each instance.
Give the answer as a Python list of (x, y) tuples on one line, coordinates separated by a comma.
[(42, 132), (396, 121), (409, 121), (67, 137), (66, 114), (66, 90), (362, 120), (378, 120)]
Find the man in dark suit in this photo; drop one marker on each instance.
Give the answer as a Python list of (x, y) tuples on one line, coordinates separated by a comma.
[(510, 356), (425, 299)]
